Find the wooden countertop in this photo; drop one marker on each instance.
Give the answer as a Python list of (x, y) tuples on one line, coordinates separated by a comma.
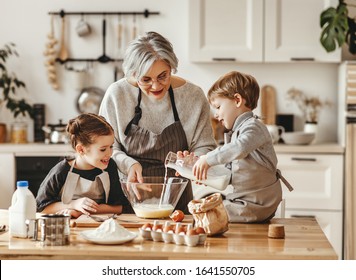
[(304, 240)]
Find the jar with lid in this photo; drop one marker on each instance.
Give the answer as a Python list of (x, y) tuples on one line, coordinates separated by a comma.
[(19, 132)]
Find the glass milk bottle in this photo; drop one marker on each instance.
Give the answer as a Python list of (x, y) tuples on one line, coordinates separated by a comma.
[(23, 207), (218, 176)]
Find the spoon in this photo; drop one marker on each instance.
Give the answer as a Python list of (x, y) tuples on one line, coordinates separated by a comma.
[(102, 219), (63, 52)]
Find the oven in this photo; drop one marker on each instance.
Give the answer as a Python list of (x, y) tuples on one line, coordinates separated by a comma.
[(34, 169)]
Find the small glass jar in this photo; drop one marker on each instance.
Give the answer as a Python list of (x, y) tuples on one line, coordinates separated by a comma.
[(19, 132)]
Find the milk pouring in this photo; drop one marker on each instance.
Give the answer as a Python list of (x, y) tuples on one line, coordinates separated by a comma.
[(218, 175), (23, 207)]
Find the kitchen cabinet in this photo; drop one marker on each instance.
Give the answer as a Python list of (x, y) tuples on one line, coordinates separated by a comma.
[(33, 152), (7, 181), (317, 180), (258, 31)]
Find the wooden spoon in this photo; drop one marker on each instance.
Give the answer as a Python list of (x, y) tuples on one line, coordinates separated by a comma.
[(63, 52)]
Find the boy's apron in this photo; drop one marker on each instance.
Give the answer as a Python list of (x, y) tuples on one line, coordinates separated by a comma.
[(257, 205), (76, 187), (150, 149)]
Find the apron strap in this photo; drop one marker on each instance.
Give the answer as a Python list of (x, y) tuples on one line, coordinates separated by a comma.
[(175, 113), (285, 182), (138, 111)]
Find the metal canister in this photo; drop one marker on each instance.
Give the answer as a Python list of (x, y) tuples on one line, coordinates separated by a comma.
[(55, 229)]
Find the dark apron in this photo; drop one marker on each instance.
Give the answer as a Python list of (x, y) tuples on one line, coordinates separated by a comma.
[(151, 149)]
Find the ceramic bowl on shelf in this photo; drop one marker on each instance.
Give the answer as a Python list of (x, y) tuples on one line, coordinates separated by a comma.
[(155, 198), (298, 138)]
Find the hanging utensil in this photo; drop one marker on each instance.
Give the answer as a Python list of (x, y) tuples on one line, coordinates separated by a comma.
[(104, 58), (89, 100), (119, 35), (117, 69), (63, 52)]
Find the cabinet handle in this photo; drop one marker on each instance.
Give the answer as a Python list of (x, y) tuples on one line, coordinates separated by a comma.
[(303, 216), (303, 159), (224, 59), (302, 59)]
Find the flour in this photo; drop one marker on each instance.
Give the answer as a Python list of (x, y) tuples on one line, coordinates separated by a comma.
[(110, 229)]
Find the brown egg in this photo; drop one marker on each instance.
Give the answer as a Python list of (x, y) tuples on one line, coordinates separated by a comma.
[(147, 226), (168, 228), (181, 229), (177, 216), (191, 232), (200, 230), (157, 228)]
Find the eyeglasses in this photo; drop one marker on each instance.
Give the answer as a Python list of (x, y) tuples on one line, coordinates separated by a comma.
[(147, 81)]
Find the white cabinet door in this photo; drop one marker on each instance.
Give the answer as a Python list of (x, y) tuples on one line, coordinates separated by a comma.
[(329, 221), (226, 30), (258, 31), (292, 31), (317, 180), (7, 179)]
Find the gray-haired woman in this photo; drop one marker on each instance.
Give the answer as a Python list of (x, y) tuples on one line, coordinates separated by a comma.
[(154, 112)]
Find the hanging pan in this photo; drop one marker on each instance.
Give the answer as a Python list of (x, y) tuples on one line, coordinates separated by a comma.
[(89, 100)]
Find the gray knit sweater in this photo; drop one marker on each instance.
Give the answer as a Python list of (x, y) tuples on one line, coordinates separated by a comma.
[(118, 107)]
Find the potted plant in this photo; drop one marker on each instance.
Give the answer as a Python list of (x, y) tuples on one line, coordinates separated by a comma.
[(310, 106), (9, 87), (338, 28)]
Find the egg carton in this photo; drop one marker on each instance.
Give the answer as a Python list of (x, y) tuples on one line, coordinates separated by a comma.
[(179, 236)]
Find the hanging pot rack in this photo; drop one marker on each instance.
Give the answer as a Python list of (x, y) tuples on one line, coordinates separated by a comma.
[(146, 13)]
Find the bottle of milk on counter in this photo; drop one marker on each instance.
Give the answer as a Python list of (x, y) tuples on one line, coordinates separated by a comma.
[(23, 207), (218, 176)]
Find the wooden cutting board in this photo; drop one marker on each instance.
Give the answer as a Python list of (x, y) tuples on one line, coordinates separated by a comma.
[(125, 220), (268, 104)]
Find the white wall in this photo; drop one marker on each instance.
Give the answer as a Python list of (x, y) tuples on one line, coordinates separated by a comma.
[(27, 24)]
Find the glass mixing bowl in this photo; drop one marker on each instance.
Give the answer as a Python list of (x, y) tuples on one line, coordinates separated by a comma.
[(155, 198)]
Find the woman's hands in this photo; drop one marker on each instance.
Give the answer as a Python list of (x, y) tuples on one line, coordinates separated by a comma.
[(135, 173)]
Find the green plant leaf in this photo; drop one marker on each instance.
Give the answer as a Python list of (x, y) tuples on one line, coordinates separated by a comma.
[(10, 84), (334, 27)]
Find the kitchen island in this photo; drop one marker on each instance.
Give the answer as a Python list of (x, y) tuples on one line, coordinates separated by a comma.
[(303, 240)]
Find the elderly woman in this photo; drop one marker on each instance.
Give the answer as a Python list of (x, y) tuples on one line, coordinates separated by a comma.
[(154, 112)]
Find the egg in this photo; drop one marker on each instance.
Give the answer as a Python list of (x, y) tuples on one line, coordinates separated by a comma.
[(157, 227), (200, 230), (147, 226), (168, 228), (177, 216), (180, 230), (191, 232)]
